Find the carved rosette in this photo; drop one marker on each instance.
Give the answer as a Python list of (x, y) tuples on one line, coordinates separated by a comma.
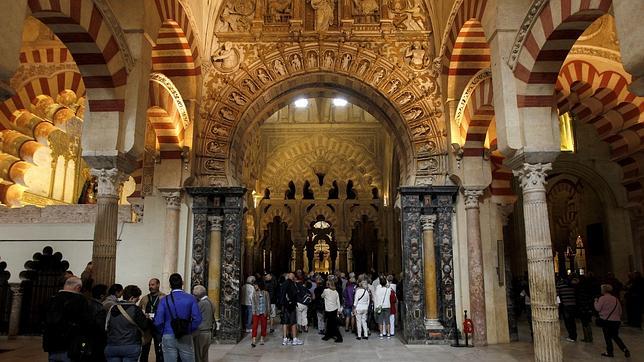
[(109, 181), (472, 197)]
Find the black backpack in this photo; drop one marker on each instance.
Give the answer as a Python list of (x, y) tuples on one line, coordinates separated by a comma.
[(303, 295)]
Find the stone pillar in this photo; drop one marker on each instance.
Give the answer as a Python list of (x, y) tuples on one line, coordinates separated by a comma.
[(541, 272), (475, 265), (214, 262), (415, 202), (299, 256), (171, 235), (505, 210), (342, 258), (429, 262), (227, 202), (14, 316), (104, 248)]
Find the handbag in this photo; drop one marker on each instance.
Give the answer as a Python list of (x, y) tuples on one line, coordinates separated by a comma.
[(600, 322), (379, 308), (180, 326)]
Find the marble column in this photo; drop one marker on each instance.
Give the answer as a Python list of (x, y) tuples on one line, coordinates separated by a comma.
[(505, 210), (299, 256), (16, 306), (342, 258), (429, 266), (171, 235), (475, 265), (105, 227), (214, 262), (541, 272)]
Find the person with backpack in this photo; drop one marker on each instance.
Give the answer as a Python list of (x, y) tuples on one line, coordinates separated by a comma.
[(288, 296), (68, 324), (304, 299), (124, 325), (176, 318)]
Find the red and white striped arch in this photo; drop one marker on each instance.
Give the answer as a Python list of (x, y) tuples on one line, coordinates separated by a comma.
[(52, 86), (167, 113), (470, 54), (46, 55), (478, 114), (546, 44), (174, 10), (462, 12), (80, 25), (603, 100), (172, 55)]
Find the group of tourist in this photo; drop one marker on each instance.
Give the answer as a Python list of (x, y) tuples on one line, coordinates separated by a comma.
[(119, 324), (325, 302), (584, 297)]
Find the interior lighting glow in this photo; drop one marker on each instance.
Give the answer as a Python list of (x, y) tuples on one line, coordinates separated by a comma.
[(339, 102), (301, 103)]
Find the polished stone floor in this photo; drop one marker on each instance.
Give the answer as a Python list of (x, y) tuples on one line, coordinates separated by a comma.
[(314, 349)]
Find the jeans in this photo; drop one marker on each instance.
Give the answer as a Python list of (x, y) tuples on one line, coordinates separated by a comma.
[(361, 323), (321, 324), (174, 348), (247, 311), (611, 333), (125, 353), (58, 357), (392, 324)]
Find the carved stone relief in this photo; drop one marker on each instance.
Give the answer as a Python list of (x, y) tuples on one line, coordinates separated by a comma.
[(236, 16)]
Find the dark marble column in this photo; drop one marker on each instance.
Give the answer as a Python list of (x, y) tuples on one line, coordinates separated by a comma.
[(415, 202), (227, 202)]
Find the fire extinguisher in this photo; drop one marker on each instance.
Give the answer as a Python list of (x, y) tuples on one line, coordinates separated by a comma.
[(468, 328)]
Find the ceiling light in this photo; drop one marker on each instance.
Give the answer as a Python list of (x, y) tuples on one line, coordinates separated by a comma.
[(301, 103), (339, 102)]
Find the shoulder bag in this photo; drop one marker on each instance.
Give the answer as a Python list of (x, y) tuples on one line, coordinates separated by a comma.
[(379, 308), (180, 326), (600, 322)]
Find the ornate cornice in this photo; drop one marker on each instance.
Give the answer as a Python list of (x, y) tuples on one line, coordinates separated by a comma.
[(530, 18), (477, 79), (109, 181), (116, 30), (533, 176), (596, 52), (167, 84)]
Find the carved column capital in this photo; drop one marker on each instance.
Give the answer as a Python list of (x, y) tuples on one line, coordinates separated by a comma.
[(109, 181), (172, 199), (215, 222), (428, 221), (533, 176), (472, 196)]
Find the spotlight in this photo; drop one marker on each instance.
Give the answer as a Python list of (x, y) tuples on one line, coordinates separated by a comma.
[(339, 102), (301, 103)]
